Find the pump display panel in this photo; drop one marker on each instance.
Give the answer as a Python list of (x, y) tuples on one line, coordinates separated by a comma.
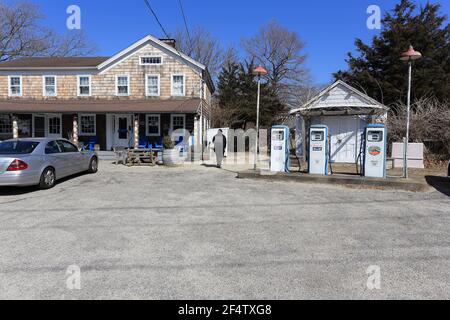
[(317, 136), (375, 136)]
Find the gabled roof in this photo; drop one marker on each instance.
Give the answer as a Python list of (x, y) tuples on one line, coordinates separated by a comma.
[(353, 99), (99, 63), (150, 38)]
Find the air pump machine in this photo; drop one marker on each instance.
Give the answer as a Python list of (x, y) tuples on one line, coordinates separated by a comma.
[(375, 151), (280, 150), (318, 150)]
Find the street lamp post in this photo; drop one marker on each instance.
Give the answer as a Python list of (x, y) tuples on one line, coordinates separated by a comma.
[(259, 71), (408, 56)]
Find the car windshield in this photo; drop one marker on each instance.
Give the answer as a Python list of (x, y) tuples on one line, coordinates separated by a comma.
[(17, 147)]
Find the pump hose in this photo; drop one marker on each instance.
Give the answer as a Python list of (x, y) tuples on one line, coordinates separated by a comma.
[(329, 155), (360, 155), (288, 158)]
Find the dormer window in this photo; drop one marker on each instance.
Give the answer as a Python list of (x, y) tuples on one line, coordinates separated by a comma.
[(151, 61)]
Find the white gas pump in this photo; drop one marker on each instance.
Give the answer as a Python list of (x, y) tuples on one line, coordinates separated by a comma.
[(375, 151), (280, 151), (318, 150)]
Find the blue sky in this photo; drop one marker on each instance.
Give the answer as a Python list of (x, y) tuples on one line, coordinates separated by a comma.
[(328, 27)]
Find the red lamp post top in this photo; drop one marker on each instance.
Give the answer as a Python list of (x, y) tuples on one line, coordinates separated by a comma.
[(260, 71), (410, 55)]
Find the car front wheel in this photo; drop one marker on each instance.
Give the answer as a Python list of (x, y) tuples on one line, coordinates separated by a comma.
[(93, 166), (48, 179)]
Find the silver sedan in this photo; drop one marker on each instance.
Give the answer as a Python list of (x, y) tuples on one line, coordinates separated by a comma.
[(29, 162)]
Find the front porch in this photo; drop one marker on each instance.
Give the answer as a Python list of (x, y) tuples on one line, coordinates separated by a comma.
[(104, 131)]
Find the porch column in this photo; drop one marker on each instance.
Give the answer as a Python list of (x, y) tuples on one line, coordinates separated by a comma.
[(75, 130), (136, 131), (15, 127)]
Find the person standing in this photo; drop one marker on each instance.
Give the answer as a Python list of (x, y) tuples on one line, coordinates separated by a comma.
[(220, 145)]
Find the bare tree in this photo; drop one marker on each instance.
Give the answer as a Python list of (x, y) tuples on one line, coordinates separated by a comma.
[(280, 51), (23, 35), (200, 45), (430, 123)]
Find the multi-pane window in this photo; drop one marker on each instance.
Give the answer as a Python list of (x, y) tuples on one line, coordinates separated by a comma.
[(123, 85), (151, 60), (87, 125), (54, 125), (153, 125), (177, 85), (15, 86), (84, 85), (178, 122), (5, 124), (49, 86), (153, 85)]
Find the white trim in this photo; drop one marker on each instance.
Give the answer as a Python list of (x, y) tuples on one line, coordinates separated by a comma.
[(137, 44), (78, 85), (80, 128), (47, 130), (151, 56), (373, 103), (184, 84), (128, 85), (159, 125), (9, 86), (177, 115), (146, 84), (44, 93)]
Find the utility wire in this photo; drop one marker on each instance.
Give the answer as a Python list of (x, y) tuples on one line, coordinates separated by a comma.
[(156, 18), (186, 24)]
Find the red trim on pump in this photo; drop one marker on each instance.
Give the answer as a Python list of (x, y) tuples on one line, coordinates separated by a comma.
[(17, 165)]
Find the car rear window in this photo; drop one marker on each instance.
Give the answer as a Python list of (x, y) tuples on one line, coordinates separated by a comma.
[(17, 147)]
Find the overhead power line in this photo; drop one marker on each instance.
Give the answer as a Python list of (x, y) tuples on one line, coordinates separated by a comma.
[(186, 25), (156, 18)]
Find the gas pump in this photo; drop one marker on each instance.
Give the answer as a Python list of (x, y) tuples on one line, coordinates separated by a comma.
[(318, 150), (375, 151), (280, 152)]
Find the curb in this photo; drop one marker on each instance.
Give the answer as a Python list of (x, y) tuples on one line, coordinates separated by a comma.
[(349, 181)]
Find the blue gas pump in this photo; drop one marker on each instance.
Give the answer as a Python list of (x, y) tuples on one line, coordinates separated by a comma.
[(375, 151), (318, 150), (280, 150)]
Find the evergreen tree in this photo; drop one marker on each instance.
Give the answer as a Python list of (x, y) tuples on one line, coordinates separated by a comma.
[(377, 68), (237, 94)]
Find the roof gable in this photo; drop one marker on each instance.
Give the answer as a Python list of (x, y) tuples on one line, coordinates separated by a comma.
[(340, 95), (149, 40)]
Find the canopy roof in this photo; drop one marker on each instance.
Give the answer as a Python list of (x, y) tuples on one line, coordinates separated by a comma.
[(340, 99)]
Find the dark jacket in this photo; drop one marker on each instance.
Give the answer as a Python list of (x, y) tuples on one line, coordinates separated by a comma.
[(224, 141)]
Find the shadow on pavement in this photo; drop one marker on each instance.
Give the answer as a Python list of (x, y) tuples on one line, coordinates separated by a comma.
[(17, 191), (441, 184)]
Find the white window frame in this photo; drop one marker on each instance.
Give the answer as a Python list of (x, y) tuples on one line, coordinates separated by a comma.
[(159, 125), (184, 84), (44, 92), (128, 84), (90, 85), (9, 86), (177, 115), (151, 64), (80, 128), (146, 84), (11, 125)]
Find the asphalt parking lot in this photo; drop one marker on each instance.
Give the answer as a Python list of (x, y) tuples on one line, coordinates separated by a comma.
[(199, 233)]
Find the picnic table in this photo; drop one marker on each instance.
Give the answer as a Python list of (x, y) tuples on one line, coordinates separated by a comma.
[(142, 157)]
